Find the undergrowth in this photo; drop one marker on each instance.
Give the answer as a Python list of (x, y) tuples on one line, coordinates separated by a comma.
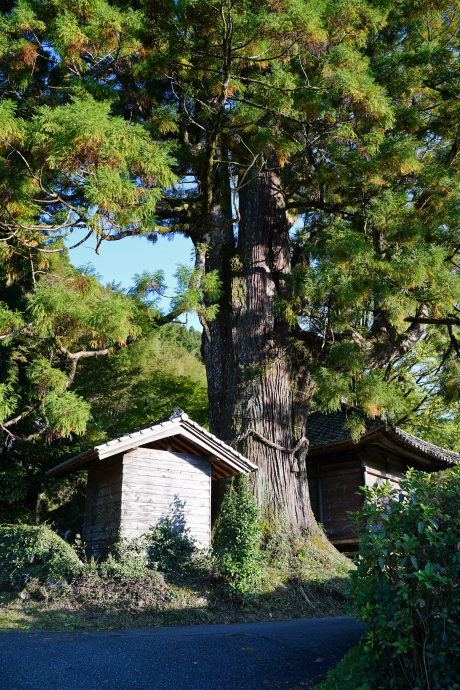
[(305, 578)]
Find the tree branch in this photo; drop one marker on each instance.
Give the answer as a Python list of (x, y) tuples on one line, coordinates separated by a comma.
[(448, 321), (11, 335)]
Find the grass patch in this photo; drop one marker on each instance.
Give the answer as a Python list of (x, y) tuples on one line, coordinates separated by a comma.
[(309, 583), (357, 671)]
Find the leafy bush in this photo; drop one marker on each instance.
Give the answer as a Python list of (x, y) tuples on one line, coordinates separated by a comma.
[(407, 583), (169, 548), (237, 538), (29, 552)]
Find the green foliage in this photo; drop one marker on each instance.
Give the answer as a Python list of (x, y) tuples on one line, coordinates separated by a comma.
[(358, 670), (13, 482), (28, 552), (67, 315), (66, 412), (142, 383), (106, 158), (169, 547), (356, 425), (180, 335), (407, 580), (195, 289), (10, 320), (8, 401), (236, 538), (82, 311), (428, 381), (106, 168)]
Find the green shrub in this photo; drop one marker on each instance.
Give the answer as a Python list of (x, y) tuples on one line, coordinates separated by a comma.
[(29, 552), (407, 582), (237, 538), (169, 548)]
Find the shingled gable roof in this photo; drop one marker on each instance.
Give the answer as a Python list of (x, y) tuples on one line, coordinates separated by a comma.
[(327, 430), (189, 435)]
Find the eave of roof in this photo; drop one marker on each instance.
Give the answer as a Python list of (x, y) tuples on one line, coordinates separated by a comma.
[(429, 449), (163, 428)]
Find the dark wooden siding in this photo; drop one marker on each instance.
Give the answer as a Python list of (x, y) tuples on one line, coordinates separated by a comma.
[(334, 483), (160, 484), (335, 480), (103, 504)]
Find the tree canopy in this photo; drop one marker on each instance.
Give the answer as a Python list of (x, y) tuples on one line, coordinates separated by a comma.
[(308, 149)]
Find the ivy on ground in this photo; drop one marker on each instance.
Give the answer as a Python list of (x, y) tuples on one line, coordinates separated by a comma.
[(28, 552)]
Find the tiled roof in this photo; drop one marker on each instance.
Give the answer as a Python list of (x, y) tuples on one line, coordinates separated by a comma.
[(448, 456), (176, 423), (328, 428), (325, 429)]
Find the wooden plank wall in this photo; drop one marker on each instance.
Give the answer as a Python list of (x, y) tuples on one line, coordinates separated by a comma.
[(159, 484), (103, 504), (381, 467)]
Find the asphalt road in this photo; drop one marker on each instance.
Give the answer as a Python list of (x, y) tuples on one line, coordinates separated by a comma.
[(282, 654)]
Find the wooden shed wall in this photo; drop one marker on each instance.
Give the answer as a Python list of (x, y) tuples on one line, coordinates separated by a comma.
[(159, 484), (103, 504)]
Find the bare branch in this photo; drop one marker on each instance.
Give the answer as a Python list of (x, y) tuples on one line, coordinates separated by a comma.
[(307, 87), (269, 110), (13, 333), (84, 353), (54, 251)]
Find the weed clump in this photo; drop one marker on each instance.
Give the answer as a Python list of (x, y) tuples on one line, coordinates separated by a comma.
[(126, 560), (168, 548), (357, 671)]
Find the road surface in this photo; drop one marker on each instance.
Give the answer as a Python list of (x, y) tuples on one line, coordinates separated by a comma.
[(281, 654)]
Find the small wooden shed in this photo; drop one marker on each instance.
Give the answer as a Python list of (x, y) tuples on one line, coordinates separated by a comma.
[(337, 467), (163, 471)]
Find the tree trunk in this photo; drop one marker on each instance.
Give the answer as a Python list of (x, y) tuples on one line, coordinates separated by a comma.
[(251, 375)]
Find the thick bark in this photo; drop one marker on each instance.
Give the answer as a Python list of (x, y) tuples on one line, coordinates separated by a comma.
[(253, 380)]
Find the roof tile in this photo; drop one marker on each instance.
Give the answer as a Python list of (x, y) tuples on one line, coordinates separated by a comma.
[(324, 429)]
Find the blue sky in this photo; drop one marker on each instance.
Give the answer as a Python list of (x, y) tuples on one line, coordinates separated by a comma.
[(119, 261)]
